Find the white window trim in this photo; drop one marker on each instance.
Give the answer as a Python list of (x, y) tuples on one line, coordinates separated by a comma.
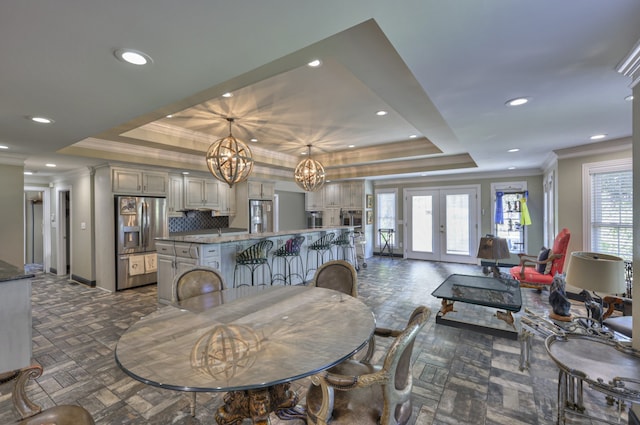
[(625, 164)]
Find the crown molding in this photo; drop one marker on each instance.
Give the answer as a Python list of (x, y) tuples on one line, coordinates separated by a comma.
[(629, 66), (605, 147)]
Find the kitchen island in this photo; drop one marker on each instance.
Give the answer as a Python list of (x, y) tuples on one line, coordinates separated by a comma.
[(177, 253), (15, 317)]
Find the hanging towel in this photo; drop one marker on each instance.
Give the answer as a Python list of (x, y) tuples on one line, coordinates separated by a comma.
[(150, 263), (136, 265), (525, 219)]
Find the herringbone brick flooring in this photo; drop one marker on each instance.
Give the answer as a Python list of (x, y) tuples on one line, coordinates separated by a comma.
[(460, 376)]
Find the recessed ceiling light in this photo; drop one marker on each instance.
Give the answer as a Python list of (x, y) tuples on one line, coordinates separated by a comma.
[(513, 150), (518, 101), (303, 153), (169, 116), (185, 172), (413, 136), (227, 94), (41, 120), (50, 165), (254, 140), (381, 113), (4, 147), (629, 98), (598, 136), (28, 173), (352, 146), (134, 57), (315, 63), (511, 168)]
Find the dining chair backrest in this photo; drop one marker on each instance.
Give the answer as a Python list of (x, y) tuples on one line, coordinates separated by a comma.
[(339, 275), (197, 281)]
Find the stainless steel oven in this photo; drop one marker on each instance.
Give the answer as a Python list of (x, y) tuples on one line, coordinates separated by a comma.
[(314, 219), (351, 218)]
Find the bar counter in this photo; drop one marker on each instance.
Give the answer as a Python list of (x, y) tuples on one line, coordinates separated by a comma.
[(177, 253)]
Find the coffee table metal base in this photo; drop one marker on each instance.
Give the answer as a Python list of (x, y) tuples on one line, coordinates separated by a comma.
[(258, 404)]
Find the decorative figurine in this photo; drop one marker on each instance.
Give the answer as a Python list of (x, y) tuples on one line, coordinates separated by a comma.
[(558, 300)]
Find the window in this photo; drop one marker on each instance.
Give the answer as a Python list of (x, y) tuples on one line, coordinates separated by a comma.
[(386, 213), (510, 214), (609, 212)]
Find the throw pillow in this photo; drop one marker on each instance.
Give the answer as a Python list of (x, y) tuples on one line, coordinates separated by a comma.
[(542, 256)]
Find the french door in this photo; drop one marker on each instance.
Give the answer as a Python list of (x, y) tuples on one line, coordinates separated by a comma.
[(441, 224)]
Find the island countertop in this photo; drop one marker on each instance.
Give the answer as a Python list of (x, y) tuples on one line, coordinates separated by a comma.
[(9, 272), (209, 238)]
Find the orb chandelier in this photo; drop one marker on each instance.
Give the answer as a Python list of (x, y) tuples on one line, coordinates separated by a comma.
[(309, 174), (229, 159)]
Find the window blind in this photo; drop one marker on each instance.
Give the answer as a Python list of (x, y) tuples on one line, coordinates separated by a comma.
[(612, 213)]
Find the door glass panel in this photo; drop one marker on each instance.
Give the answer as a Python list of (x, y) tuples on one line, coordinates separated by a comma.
[(422, 223), (457, 222)]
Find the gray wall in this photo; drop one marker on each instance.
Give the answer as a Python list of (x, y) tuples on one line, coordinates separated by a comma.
[(570, 194), (291, 210), (11, 212)]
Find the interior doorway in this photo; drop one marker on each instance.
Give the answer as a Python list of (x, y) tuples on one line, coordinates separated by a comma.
[(442, 224), (64, 233), (34, 231)]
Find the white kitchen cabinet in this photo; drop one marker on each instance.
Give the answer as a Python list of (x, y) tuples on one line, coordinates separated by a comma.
[(201, 193), (227, 197), (314, 201), (175, 197), (131, 181), (332, 195), (331, 217), (352, 195), (261, 190)]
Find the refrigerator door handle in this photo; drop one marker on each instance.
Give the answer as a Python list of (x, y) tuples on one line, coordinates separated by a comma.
[(145, 225)]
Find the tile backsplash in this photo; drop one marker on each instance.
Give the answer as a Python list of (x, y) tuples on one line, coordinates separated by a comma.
[(197, 220)]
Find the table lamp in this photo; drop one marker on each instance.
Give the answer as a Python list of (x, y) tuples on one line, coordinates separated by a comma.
[(598, 273), (492, 248)]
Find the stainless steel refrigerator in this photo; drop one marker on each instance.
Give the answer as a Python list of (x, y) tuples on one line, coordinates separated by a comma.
[(260, 216), (139, 220)]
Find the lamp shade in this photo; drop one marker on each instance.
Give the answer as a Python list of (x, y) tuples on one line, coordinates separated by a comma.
[(492, 248), (596, 272)]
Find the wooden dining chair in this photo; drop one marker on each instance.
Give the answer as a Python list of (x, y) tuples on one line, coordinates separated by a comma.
[(355, 392), (31, 413), (197, 281), (339, 275), (190, 283)]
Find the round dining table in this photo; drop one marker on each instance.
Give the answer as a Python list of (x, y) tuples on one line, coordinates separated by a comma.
[(249, 342)]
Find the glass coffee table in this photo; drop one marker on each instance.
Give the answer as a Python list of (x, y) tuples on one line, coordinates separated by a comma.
[(495, 293)]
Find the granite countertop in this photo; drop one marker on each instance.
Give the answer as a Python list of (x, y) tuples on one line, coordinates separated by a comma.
[(212, 235), (11, 272)]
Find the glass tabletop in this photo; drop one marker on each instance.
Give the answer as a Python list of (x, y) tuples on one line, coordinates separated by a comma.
[(266, 337), (481, 290)]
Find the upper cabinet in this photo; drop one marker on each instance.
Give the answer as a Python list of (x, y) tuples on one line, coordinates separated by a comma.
[(261, 190), (201, 193), (314, 201), (332, 195), (352, 195), (175, 197), (131, 181), (227, 197), (336, 195)]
